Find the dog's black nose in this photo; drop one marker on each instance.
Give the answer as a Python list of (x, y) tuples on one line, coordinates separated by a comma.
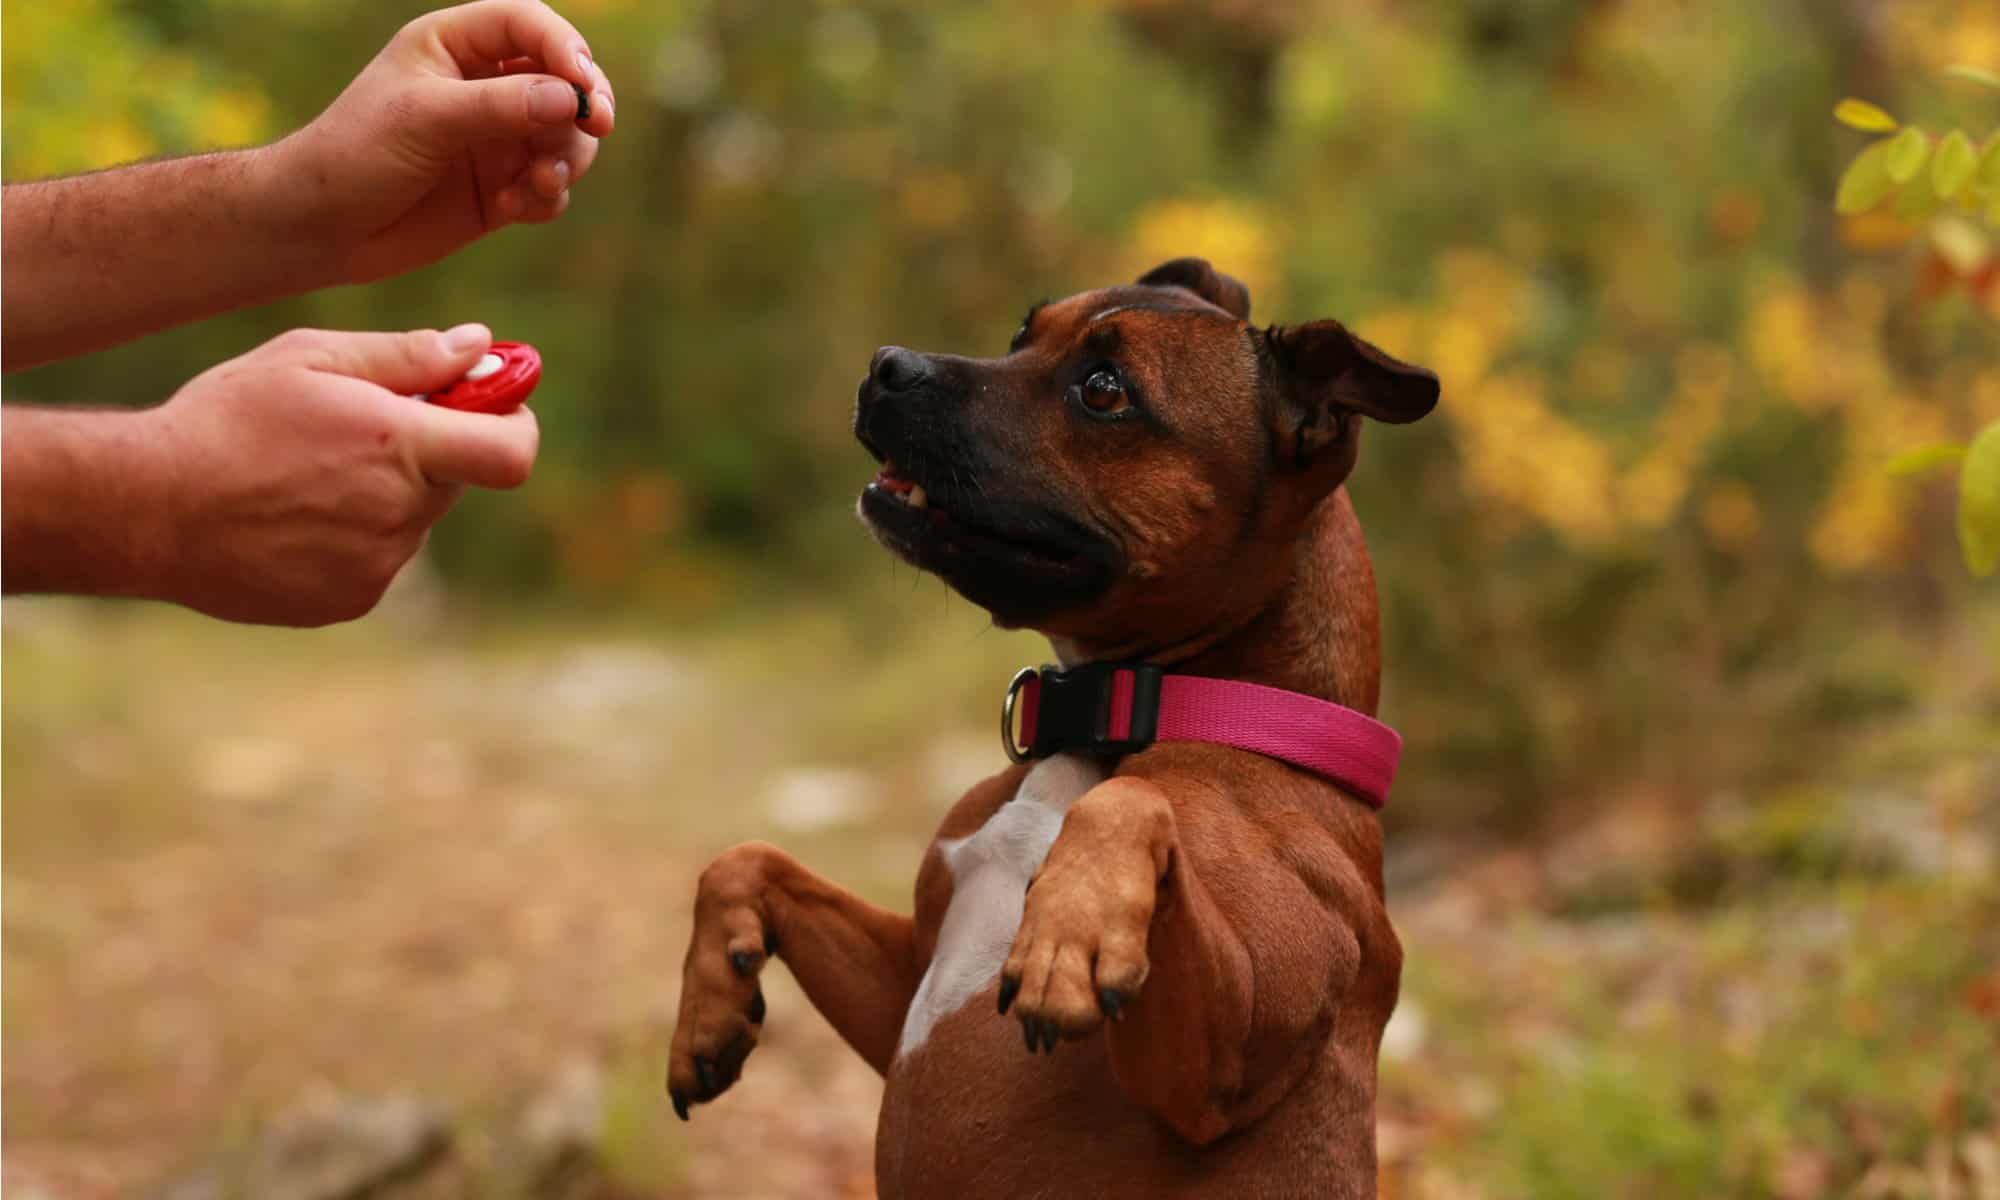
[(898, 370)]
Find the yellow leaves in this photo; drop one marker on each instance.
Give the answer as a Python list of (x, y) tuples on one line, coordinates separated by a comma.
[(1782, 341), (1395, 330), (233, 117), (1859, 114), (1523, 455), (88, 85), (1859, 526), (1863, 522), (1462, 348), (116, 140), (1234, 235), (1650, 493), (1564, 453), (1479, 282)]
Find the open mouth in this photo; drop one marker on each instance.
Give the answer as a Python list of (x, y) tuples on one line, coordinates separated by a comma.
[(893, 484), (932, 529)]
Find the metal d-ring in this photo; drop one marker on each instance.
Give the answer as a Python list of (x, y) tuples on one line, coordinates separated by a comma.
[(1007, 743)]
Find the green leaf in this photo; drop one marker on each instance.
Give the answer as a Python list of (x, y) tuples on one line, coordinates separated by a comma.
[(1974, 74), (1953, 164), (1925, 459), (1988, 173), (1907, 152), (1866, 181), (1859, 114), (1915, 205), (1979, 503)]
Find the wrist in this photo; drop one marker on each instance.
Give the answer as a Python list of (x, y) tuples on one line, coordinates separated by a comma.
[(290, 183), (88, 504)]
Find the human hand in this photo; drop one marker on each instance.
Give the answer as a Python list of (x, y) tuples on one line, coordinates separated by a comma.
[(466, 122), (299, 478)]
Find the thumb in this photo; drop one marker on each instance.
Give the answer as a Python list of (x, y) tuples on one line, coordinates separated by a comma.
[(420, 361), (509, 106)]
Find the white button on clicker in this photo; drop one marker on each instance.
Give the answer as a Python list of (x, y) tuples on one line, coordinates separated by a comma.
[(485, 366)]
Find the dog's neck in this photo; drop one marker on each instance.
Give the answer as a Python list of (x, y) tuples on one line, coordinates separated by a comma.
[(1319, 635)]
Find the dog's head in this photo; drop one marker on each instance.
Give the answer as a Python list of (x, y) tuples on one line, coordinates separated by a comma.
[(1139, 451)]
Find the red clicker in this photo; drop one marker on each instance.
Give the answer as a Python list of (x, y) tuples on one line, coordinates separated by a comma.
[(497, 383)]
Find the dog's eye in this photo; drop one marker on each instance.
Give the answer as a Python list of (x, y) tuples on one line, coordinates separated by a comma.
[(1104, 393)]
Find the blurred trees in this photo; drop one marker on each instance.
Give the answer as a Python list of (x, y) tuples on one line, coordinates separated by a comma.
[(1653, 496)]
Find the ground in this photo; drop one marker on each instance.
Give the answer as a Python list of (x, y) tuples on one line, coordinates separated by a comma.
[(454, 859)]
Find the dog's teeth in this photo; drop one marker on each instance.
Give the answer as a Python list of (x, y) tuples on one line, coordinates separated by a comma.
[(916, 498)]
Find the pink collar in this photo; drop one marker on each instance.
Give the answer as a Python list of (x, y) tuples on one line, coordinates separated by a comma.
[(1119, 708)]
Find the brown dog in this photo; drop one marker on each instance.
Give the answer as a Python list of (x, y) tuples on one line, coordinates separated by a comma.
[(1144, 477)]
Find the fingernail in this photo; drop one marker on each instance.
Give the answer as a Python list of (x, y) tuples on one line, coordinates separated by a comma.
[(583, 59), (550, 101), (582, 103), (464, 339)]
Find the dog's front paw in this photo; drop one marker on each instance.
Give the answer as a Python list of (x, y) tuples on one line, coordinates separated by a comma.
[(1080, 954), (722, 1006)]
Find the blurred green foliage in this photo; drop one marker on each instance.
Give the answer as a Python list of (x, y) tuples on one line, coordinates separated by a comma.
[(1963, 179), (1652, 504)]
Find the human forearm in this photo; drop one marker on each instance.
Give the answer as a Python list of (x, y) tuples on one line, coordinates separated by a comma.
[(94, 260), (82, 504), (286, 486)]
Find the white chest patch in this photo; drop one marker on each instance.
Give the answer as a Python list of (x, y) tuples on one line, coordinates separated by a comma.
[(990, 871)]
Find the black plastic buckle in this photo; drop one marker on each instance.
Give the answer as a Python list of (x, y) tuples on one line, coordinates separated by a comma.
[(1073, 710)]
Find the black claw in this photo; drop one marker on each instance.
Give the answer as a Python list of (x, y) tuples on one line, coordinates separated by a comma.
[(1008, 989), (1028, 1032), (743, 961), (757, 1007), (704, 1073), (680, 1103), (1113, 1003), (1051, 1034), (770, 942)]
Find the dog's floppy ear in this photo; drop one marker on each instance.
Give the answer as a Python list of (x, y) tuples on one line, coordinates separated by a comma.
[(1320, 367), (1205, 281)]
